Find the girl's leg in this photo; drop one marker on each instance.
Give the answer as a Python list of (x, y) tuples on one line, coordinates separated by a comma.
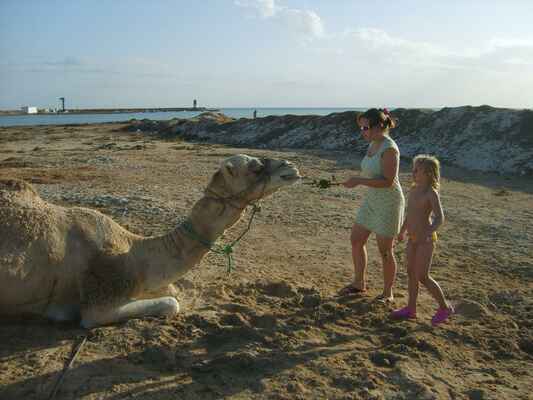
[(359, 238), (389, 264), (409, 311), (423, 257), (412, 283)]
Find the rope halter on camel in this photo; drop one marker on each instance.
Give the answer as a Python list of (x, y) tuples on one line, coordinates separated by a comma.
[(227, 250)]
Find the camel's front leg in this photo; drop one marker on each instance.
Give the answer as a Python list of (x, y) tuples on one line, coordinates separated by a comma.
[(98, 315), (63, 312), (165, 291), (107, 290)]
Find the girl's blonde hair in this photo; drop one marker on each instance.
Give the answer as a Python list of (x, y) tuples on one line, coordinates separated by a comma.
[(431, 167)]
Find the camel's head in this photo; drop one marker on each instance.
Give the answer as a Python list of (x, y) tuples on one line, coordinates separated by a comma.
[(245, 179)]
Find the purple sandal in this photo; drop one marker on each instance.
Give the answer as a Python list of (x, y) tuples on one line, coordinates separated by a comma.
[(441, 315), (403, 313)]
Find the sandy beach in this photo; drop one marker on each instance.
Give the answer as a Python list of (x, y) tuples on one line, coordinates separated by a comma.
[(275, 328)]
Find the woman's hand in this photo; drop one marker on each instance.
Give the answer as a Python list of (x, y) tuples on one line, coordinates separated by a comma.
[(401, 236), (427, 236), (352, 182)]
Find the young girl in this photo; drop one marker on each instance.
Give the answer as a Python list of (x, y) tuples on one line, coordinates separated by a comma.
[(422, 235)]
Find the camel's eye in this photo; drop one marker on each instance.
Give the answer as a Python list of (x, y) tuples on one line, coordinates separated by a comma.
[(256, 167)]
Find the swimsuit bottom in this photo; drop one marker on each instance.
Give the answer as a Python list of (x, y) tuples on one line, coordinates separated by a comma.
[(412, 237)]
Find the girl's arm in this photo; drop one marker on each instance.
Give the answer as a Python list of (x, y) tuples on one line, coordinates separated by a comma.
[(438, 213), (389, 166)]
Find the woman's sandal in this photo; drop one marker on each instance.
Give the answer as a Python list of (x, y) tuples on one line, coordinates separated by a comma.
[(385, 300), (351, 290)]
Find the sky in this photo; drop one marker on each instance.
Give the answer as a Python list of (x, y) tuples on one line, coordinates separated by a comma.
[(266, 53)]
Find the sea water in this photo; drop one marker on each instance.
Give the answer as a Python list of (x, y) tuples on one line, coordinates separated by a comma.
[(67, 119)]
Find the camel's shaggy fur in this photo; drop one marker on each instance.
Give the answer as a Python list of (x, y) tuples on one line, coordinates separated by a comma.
[(77, 263)]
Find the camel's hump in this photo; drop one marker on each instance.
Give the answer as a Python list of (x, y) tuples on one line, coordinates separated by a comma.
[(15, 192)]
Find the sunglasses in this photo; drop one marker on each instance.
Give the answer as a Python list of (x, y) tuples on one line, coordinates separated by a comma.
[(364, 128)]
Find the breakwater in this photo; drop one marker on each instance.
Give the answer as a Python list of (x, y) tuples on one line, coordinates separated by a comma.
[(478, 138), (112, 110)]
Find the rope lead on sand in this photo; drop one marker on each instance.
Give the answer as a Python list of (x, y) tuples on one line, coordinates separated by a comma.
[(74, 353)]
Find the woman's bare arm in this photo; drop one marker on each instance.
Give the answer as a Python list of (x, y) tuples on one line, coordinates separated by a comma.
[(389, 166)]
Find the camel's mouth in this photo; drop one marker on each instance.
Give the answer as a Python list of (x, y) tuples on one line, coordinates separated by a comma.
[(293, 176), (289, 173)]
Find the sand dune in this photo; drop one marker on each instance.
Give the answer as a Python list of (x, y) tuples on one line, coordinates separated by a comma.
[(275, 327)]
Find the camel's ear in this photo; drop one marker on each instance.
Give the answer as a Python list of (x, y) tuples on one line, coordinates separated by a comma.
[(217, 176), (228, 168)]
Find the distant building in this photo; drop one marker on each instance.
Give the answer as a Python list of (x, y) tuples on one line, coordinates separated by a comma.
[(194, 104), (29, 110)]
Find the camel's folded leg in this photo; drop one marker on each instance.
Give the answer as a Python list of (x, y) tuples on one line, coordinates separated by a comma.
[(63, 312), (160, 307), (169, 290)]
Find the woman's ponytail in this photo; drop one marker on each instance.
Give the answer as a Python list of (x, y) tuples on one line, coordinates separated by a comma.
[(379, 116)]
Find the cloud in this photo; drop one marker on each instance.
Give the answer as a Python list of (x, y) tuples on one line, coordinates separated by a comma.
[(265, 8), (131, 66), (303, 22), (509, 51), (381, 40), (510, 43), (496, 54), (67, 62)]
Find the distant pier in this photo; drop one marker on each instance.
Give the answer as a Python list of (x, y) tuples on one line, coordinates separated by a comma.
[(113, 110), (137, 110)]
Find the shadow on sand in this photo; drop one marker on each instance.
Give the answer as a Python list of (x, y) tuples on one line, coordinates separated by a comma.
[(223, 360)]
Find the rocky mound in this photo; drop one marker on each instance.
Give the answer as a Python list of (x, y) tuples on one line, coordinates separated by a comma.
[(478, 138)]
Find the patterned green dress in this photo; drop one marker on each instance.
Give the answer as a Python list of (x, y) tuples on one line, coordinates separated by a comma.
[(382, 209)]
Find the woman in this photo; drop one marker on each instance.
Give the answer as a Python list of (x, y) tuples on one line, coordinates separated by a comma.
[(383, 205)]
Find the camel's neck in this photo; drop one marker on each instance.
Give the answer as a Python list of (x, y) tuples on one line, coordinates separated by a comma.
[(166, 258), (210, 217)]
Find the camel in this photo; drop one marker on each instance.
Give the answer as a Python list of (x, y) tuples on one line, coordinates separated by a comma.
[(77, 264)]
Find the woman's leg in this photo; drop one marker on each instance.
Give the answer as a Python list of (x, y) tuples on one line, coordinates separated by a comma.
[(424, 255), (389, 264), (359, 238)]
